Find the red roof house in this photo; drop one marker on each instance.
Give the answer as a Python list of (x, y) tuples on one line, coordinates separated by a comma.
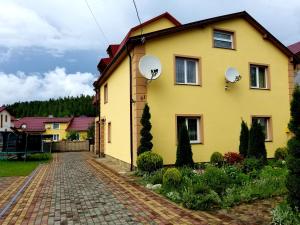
[(80, 123)]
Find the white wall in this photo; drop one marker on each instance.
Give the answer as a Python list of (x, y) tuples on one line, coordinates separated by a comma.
[(6, 121)]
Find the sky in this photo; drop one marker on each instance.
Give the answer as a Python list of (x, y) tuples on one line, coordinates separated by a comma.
[(50, 48)]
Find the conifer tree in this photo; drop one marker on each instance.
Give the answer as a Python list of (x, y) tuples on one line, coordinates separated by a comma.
[(146, 136), (184, 155), (293, 159), (244, 139), (257, 148)]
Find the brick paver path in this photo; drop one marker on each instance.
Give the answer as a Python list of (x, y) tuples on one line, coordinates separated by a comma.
[(75, 189)]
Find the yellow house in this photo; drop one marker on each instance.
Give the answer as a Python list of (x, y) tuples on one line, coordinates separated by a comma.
[(57, 127), (192, 87)]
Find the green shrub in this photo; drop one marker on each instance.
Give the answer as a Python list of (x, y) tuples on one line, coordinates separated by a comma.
[(257, 148), (216, 179), (174, 196), (217, 159), (39, 157), (284, 215), (252, 164), (172, 178), (205, 201), (149, 162), (294, 147), (293, 164), (156, 177), (146, 136), (244, 139), (280, 153), (236, 175)]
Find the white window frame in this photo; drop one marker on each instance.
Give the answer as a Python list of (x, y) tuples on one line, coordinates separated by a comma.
[(268, 134), (54, 127), (185, 70), (257, 76), (55, 137), (186, 118), (223, 39)]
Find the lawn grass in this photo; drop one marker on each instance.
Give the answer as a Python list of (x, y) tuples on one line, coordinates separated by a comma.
[(16, 168)]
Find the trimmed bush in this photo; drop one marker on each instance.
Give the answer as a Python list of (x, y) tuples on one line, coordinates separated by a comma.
[(257, 148), (233, 158), (172, 178), (184, 154), (244, 139), (293, 164), (39, 157), (149, 162), (146, 136), (216, 179), (217, 159), (280, 153), (294, 147), (252, 164)]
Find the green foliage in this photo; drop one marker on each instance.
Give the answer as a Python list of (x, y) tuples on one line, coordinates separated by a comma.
[(293, 178), (16, 168), (146, 136), (61, 107), (73, 135), (216, 179), (236, 176), (217, 159), (257, 148), (280, 153), (205, 200), (184, 155), (283, 214), (149, 162), (157, 176), (39, 157), (252, 164), (172, 178), (244, 139), (91, 131)]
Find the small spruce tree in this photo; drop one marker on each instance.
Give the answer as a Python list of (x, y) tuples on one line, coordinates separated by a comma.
[(293, 159), (244, 139), (146, 137), (184, 155), (257, 148)]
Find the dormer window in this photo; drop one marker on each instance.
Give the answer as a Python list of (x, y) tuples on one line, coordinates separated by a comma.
[(223, 39), (55, 126)]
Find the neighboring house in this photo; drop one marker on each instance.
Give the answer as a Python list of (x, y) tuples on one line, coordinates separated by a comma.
[(295, 48), (191, 88), (6, 120), (58, 127), (81, 126)]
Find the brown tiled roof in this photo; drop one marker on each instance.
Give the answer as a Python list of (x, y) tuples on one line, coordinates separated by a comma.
[(80, 123), (295, 48)]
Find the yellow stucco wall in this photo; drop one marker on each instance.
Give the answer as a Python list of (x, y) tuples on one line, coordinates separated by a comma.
[(222, 110), (160, 24), (116, 111), (61, 131), (82, 135)]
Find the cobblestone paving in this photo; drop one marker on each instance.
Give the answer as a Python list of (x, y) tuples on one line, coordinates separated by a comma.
[(75, 189)]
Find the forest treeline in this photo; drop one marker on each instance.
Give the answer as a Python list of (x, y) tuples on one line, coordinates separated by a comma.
[(61, 107)]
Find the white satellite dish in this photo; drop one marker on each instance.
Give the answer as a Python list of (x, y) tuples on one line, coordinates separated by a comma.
[(232, 75), (150, 67)]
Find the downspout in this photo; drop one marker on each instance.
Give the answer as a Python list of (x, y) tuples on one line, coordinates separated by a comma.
[(130, 102), (99, 120)]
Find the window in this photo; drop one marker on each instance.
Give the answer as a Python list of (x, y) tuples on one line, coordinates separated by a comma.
[(258, 76), (186, 70), (55, 126), (105, 93), (55, 137), (109, 132), (265, 122), (223, 39), (193, 125), (6, 118)]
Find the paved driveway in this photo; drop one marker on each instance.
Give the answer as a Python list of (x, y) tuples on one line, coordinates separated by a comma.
[(74, 189)]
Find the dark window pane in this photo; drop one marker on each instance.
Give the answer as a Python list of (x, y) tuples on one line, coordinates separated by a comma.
[(222, 35), (192, 128), (262, 77), (222, 44), (253, 76), (191, 71), (179, 70)]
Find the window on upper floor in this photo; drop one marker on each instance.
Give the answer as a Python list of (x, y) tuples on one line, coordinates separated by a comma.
[(187, 71), (266, 123), (223, 39), (193, 124), (105, 93), (55, 126), (259, 77)]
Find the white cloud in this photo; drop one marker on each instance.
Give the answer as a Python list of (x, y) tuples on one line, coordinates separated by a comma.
[(52, 84)]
